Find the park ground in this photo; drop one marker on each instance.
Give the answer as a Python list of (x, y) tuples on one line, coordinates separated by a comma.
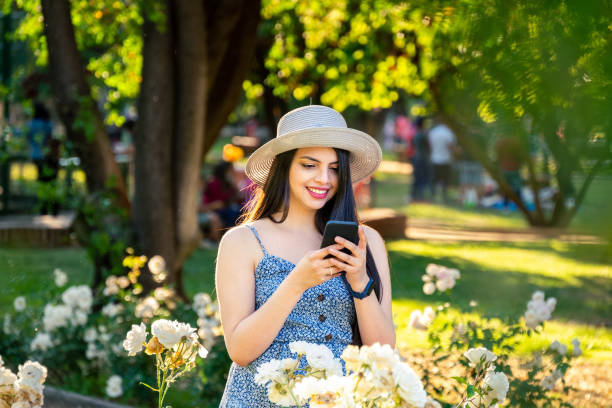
[(502, 261)]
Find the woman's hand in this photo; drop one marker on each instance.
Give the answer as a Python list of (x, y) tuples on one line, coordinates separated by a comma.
[(354, 264), (313, 269)]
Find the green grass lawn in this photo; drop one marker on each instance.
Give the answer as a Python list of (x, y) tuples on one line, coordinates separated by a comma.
[(499, 276)]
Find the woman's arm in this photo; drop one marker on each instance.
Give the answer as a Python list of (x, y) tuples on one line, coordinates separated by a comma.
[(375, 318), (249, 332)]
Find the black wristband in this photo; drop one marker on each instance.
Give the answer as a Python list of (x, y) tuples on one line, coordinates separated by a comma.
[(364, 293)]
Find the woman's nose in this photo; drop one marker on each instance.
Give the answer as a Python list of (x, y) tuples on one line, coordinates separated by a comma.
[(323, 175)]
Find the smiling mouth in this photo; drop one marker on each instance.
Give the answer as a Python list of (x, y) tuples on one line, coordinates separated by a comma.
[(317, 192)]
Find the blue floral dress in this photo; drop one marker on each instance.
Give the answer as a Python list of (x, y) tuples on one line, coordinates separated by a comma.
[(323, 315)]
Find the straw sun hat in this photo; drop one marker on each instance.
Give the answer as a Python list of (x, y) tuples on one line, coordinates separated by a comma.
[(316, 126)]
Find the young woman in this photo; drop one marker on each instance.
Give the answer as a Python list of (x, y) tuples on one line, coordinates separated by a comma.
[(274, 283)]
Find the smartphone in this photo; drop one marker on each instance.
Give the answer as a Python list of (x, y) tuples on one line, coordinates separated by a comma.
[(345, 229)]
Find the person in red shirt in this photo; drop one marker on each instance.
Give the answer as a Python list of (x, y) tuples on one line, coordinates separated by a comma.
[(221, 195)]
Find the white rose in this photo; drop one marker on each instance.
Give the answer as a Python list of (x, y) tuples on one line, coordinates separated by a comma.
[(41, 342), (563, 349), (499, 384), (454, 273), (409, 386), (429, 314), (201, 300), (114, 386), (146, 308), (7, 378), (274, 370), (299, 347), (480, 355), (19, 303), (135, 339), (432, 269), (538, 296), (548, 382), (429, 288), (60, 277), (79, 318), (90, 334), (157, 265), (380, 357), (557, 374), (416, 320), (56, 316), (445, 283), (31, 375), (279, 394), (169, 333)]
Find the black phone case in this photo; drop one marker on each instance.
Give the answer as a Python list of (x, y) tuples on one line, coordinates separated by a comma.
[(345, 229)]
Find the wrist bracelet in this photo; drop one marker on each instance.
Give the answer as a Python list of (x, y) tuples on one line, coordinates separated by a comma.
[(364, 293)]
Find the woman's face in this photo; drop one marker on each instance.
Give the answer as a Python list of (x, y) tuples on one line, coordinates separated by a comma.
[(313, 176)]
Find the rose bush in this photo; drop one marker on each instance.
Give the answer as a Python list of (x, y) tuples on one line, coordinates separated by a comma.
[(80, 334)]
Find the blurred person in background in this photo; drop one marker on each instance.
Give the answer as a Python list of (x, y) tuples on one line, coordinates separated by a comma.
[(420, 161), (44, 152), (443, 146), (510, 156)]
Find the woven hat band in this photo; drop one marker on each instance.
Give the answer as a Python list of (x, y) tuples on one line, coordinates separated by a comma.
[(308, 117)]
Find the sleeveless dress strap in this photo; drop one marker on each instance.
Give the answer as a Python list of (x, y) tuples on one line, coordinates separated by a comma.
[(263, 248)]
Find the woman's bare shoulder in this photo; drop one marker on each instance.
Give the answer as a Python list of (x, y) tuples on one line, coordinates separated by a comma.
[(239, 238), (375, 240)]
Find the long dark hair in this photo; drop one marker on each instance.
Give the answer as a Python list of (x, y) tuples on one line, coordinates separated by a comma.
[(274, 197)]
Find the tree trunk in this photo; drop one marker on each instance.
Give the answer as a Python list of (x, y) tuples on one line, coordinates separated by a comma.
[(479, 153), (230, 53), (74, 102), (153, 211), (190, 111)]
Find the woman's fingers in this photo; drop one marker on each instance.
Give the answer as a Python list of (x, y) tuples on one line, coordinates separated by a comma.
[(341, 266)]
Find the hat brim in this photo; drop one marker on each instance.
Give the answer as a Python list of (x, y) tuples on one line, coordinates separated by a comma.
[(365, 151)]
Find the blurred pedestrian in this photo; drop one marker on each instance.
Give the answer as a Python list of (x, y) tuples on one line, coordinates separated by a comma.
[(443, 146), (420, 161), (510, 156), (44, 153), (222, 197)]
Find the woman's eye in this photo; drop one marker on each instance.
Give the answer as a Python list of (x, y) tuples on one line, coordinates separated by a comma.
[(335, 169), (307, 166)]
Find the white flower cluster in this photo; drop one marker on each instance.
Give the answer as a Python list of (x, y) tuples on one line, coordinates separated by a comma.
[(114, 386), (24, 390), (550, 381), (175, 346), (421, 320), (167, 335), (439, 277), (562, 348), (146, 308), (77, 302), (375, 373), (75, 309), (494, 386), (98, 342), (41, 342), (209, 319), (539, 309), (112, 309), (281, 376), (114, 283)]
